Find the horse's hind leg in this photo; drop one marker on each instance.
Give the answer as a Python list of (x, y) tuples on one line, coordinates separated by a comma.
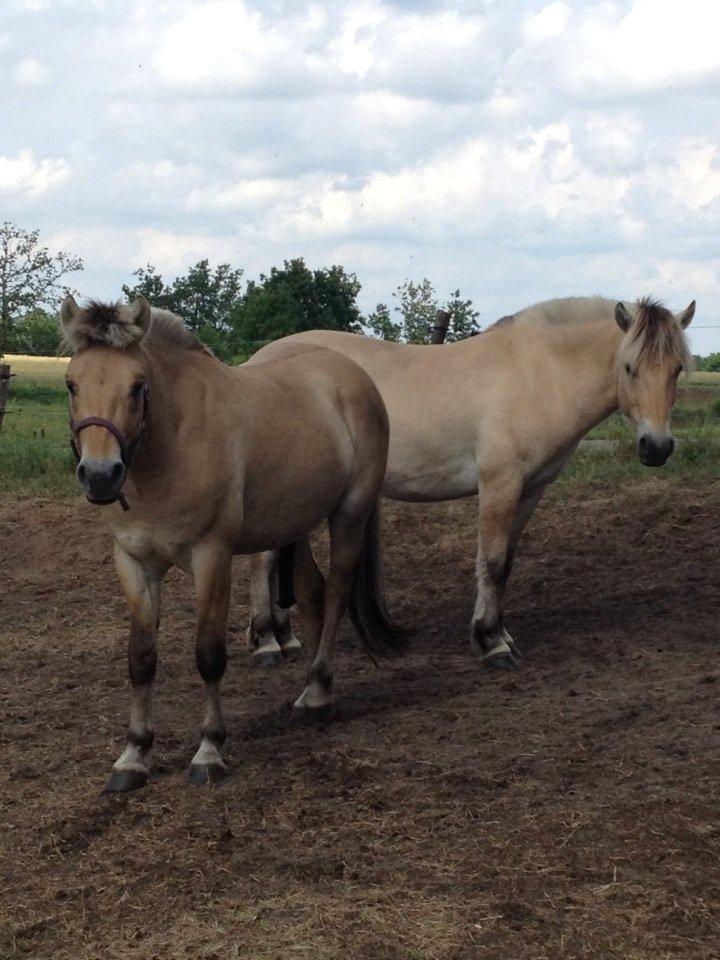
[(309, 595), (282, 624), (142, 590), (262, 638), (346, 541), (498, 510), (211, 566)]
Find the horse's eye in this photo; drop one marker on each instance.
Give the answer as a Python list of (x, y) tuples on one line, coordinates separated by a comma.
[(72, 389), (137, 389), (628, 369)]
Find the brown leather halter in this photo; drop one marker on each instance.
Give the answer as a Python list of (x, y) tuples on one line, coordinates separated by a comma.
[(127, 447)]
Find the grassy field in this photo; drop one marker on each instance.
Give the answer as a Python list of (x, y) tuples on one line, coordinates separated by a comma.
[(35, 454), (34, 445)]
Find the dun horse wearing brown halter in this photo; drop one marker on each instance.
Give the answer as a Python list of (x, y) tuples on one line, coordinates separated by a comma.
[(500, 415), (196, 461)]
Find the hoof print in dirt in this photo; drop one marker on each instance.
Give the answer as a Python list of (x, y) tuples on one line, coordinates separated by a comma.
[(273, 658), (123, 781), (312, 716), (293, 654), (203, 773)]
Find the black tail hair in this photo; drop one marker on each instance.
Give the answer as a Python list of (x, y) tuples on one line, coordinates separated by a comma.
[(286, 587), (367, 607)]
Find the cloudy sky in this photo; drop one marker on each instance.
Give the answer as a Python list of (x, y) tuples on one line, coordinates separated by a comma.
[(518, 150)]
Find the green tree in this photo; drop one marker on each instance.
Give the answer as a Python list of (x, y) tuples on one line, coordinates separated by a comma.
[(204, 297), (29, 276), (709, 364), (417, 305), (150, 285), (463, 318), (293, 298), (36, 334), (382, 325)]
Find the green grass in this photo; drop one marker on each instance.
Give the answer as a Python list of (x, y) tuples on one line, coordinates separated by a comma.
[(35, 451)]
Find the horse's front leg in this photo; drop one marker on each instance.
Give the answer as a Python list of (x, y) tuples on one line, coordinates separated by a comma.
[(142, 590), (499, 500), (211, 567)]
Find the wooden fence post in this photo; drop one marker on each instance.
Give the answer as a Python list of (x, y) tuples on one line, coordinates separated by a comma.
[(4, 388), (439, 331)]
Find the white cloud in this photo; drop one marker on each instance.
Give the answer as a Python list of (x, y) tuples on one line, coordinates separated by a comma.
[(608, 47), (31, 73), (550, 22), (25, 174), (518, 151)]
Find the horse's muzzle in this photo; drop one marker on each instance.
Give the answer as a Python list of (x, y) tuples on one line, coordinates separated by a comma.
[(101, 480), (654, 452)]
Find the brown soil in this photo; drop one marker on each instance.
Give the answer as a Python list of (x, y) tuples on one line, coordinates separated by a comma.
[(569, 809)]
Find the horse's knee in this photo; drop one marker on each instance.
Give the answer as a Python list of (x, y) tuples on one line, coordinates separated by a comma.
[(211, 658)]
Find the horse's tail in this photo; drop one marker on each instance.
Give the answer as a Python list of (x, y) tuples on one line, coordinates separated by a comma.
[(367, 607)]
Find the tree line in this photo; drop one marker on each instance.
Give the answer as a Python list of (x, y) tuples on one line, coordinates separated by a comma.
[(234, 316)]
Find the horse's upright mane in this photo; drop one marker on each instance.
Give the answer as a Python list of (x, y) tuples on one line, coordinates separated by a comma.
[(115, 325), (168, 327), (654, 333)]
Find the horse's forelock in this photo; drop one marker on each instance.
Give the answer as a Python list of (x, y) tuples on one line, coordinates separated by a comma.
[(107, 324), (656, 335)]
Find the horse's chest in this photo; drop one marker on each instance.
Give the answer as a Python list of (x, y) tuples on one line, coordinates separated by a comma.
[(158, 544)]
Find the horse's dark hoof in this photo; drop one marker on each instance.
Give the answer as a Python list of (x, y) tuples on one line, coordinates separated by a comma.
[(501, 661), (203, 773), (273, 658), (122, 781)]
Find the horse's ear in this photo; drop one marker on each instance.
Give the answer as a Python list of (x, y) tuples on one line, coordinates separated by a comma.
[(622, 317), (141, 313), (686, 315), (69, 311)]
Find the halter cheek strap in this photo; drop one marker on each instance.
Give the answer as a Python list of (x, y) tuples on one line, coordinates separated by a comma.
[(127, 447)]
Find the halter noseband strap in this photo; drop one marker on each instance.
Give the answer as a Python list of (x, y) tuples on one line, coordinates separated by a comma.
[(127, 447)]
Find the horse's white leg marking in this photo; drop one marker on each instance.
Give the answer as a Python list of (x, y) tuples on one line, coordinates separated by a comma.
[(211, 566), (208, 753), (142, 590), (284, 632), (261, 630)]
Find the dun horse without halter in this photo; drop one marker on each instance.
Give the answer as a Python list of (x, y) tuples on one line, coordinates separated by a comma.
[(197, 461), (501, 414)]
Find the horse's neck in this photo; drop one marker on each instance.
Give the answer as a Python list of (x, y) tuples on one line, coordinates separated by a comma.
[(587, 354)]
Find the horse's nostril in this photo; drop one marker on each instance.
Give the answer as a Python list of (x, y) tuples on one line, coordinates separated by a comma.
[(116, 472), (642, 442), (81, 472)]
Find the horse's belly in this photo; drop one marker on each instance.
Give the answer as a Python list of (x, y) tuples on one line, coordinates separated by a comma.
[(447, 476)]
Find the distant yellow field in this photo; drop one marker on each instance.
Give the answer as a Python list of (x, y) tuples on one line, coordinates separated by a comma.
[(709, 378), (44, 371), (50, 371)]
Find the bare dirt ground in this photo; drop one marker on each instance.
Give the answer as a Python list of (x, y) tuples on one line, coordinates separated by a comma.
[(569, 809)]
